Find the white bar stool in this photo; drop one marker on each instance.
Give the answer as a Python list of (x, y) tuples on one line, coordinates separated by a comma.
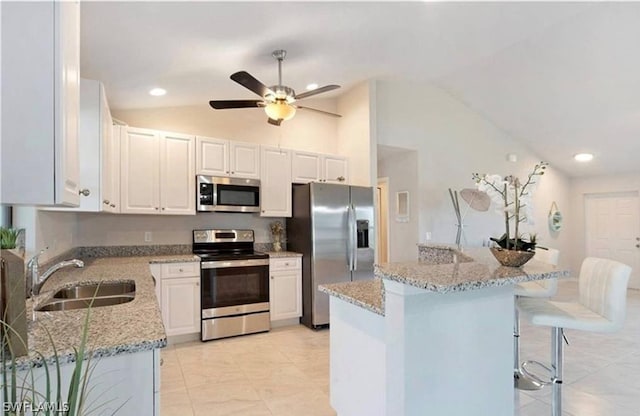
[(601, 307), (536, 289)]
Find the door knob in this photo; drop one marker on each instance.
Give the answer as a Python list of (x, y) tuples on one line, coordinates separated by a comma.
[(637, 245)]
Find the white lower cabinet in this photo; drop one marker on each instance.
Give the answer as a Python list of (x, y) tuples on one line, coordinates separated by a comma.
[(123, 384), (285, 287), (178, 291)]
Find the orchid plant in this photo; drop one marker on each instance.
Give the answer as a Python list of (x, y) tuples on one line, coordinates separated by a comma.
[(515, 203)]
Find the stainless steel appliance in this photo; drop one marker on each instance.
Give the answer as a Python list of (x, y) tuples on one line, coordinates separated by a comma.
[(234, 281), (227, 194), (333, 227)]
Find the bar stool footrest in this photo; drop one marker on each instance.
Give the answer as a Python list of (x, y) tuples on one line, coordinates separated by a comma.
[(534, 377)]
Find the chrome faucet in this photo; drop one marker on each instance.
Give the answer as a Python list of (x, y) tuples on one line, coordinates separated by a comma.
[(33, 269)]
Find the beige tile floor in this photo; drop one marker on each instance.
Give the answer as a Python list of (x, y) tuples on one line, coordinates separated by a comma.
[(285, 372)]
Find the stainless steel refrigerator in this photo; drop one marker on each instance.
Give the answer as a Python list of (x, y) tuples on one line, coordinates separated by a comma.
[(333, 227)]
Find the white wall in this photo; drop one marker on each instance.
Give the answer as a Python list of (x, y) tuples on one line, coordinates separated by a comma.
[(306, 131), (401, 167), (354, 136), (452, 142), (580, 187), (121, 229), (52, 229)]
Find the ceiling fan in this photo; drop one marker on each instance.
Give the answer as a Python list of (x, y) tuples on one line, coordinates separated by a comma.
[(277, 100)]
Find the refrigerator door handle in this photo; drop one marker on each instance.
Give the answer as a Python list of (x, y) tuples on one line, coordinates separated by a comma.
[(352, 235)]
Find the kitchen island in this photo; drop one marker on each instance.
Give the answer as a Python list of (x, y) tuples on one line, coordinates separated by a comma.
[(433, 337), (122, 340)]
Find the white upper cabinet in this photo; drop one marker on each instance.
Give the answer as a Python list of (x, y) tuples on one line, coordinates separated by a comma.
[(94, 111), (244, 160), (157, 173), (177, 179), (335, 169), (212, 156), (140, 171), (315, 167), (111, 138), (40, 103), (275, 182), (219, 157), (306, 167)]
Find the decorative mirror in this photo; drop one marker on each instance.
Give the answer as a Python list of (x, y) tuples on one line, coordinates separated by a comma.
[(402, 206), (555, 218)]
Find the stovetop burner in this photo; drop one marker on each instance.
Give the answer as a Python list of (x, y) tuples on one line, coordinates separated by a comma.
[(224, 245), (231, 256)]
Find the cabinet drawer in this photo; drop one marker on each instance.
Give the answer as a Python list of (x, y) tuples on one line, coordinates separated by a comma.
[(172, 270), (285, 263)]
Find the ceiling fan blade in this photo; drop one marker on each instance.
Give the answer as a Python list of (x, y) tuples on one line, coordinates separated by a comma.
[(227, 104), (317, 91), (248, 81), (274, 122), (318, 111)]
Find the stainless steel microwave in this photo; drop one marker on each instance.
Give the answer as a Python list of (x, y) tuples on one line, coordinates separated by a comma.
[(222, 194)]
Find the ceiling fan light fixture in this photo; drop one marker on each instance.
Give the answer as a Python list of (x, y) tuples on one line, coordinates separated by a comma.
[(312, 86), (280, 110)]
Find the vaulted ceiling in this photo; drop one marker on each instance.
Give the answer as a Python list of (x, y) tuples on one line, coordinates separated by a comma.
[(561, 77)]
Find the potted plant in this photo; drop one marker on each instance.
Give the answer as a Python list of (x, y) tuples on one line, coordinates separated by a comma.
[(8, 237), (514, 200)]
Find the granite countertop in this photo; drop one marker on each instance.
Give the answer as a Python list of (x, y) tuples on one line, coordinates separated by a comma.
[(276, 254), (126, 328), (368, 294), (482, 271), (472, 269)]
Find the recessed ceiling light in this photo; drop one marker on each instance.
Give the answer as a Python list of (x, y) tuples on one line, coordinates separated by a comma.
[(312, 86), (583, 157), (157, 92)]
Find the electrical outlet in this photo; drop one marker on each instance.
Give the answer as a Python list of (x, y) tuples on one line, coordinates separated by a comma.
[(148, 237)]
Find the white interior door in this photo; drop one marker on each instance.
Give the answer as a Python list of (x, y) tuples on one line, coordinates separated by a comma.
[(612, 228)]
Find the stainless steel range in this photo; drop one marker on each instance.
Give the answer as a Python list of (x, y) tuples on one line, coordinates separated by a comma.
[(234, 281)]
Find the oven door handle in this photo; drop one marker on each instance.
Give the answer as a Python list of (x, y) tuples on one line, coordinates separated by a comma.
[(233, 263)]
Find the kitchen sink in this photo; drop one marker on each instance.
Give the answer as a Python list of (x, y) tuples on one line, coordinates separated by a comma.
[(67, 304), (96, 290)]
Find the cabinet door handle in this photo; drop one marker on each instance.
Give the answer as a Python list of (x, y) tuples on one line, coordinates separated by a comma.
[(198, 284), (106, 202), (180, 270), (233, 173), (84, 192), (341, 178), (271, 277), (163, 208), (156, 208), (112, 205)]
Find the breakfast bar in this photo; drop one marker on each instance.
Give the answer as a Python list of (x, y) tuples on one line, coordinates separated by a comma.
[(432, 337)]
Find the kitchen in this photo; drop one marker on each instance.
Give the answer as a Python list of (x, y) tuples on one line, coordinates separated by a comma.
[(370, 113)]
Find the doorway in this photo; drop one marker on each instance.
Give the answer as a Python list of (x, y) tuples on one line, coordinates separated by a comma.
[(612, 229), (382, 216)]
